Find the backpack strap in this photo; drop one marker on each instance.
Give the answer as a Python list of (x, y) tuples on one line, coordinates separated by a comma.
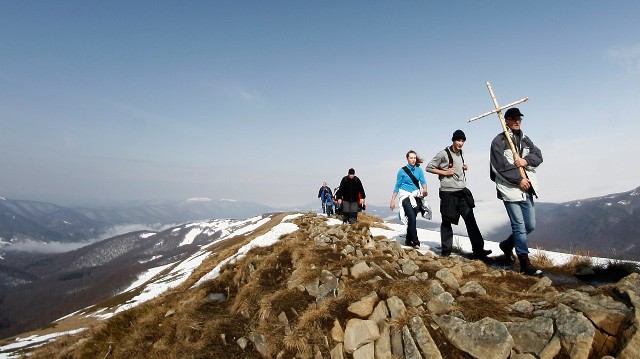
[(451, 161)]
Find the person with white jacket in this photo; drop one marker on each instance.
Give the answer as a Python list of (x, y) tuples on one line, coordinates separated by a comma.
[(515, 191), (410, 189)]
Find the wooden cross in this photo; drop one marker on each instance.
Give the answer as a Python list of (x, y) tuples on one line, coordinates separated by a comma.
[(498, 109)]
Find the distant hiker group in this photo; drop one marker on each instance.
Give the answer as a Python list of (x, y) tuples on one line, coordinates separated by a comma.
[(348, 198), (514, 159)]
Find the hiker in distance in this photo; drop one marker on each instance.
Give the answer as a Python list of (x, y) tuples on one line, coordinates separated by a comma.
[(325, 196), (349, 194), (410, 188), (515, 191), (456, 200)]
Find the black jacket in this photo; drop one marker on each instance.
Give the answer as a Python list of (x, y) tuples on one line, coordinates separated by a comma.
[(454, 204), (349, 189)]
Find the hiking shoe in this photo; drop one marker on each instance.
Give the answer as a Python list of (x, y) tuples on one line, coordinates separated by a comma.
[(526, 267), (507, 250), (530, 270)]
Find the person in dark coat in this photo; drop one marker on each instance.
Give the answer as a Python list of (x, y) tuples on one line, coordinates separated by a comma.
[(326, 196), (350, 196)]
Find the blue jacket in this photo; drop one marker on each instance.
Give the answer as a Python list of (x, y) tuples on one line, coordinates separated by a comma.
[(403, 181)]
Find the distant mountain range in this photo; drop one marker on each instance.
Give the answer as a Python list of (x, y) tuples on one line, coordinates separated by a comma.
[(36, 288), (38, 222)]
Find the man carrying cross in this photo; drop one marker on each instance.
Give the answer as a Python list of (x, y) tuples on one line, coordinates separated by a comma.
[(514, 189)]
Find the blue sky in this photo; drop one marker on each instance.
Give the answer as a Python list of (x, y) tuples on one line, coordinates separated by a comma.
[(106, 101)]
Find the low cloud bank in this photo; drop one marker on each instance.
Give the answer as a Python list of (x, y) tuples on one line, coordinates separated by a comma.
[(29, 245)]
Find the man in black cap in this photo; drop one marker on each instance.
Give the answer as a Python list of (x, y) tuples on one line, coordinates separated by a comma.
[(456, 199), (350, 196), (515, 191)]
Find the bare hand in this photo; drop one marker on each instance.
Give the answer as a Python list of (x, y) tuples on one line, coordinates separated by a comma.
[(521, 162), (465, 167), (450, 172), (525, 184), (392, 205)]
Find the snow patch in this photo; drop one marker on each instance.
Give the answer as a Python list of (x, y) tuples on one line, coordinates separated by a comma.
[(265, 240), (190, 237), (147, 235), (146, 276), (11, 350), (199, 199)]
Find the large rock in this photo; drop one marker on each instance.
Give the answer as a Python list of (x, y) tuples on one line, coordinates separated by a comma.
[(364, 306), (575, 331), (531, 336), (358, 333), (485, 339)]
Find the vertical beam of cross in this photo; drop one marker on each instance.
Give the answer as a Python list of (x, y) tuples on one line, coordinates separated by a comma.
[(498, 110)]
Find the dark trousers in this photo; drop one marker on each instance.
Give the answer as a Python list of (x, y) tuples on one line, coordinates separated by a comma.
[(349, 212), (412, 213), (446, 232)]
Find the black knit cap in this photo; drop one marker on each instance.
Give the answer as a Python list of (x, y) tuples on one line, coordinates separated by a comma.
[(458, 135), (352, 171)]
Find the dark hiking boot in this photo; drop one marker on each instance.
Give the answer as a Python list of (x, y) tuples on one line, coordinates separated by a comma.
[(482, 255), (506, 247), (526, 267)]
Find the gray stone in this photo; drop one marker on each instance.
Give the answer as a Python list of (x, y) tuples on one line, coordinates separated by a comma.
[(285, 321), (410, 347), (242, 342), (531, 336), (377, 268), (414, 300), (216, 297), (423, 339), (603, 311), (337, 352), (380, 313), (575, 331), (441, 304), (383, 344), (447, 278), (364, 352), (359, 269), (358, 333), (364, 306), (522, 306), (260, 344), (396, 307), (472, 288), (542, 284), (337, 333), (486, 338)]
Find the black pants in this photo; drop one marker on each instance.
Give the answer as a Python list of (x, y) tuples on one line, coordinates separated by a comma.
[(411, 213), (446, 232)]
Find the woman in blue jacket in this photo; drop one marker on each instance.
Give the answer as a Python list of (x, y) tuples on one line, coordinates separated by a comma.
[(409, 192)]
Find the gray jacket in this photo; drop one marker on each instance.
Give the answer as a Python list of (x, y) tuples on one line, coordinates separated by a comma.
[(441, 161), (505, 174)]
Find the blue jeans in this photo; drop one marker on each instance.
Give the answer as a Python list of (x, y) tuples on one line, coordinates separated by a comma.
[(523, 221)]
